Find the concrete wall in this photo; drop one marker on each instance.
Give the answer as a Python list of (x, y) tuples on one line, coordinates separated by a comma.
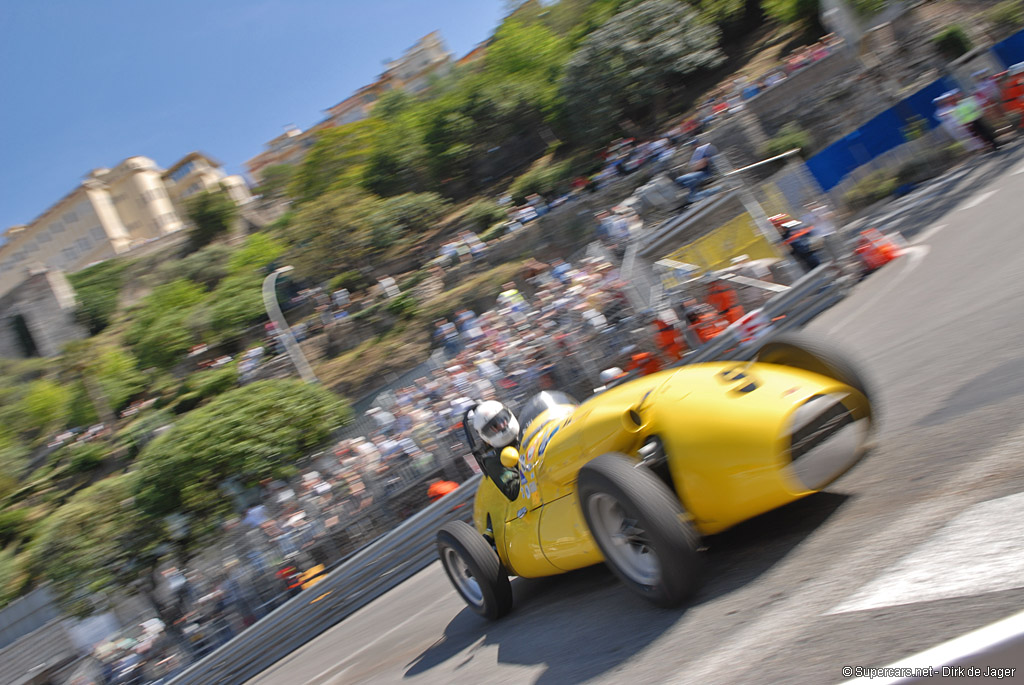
[(27, 614), (46, 301), (827, 103)]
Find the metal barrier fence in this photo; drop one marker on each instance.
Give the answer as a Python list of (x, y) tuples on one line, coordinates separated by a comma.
[(409, 548), (367, 575)]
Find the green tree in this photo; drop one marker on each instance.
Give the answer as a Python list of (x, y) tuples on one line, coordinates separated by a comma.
[(158, 334), (205, 267), (258, 252), (526, 49), (482, 214), (97, 288), (45, 406), (78, 364), (211, 214), (384, 173), (83, 412), (628, 67), (790, 11), (236, 304), (337, 160), (275, 181), (10, 577), (330, 234), (246, 434), (398, 161), (13, 459), (118, 376), (544, 180), (92, 545), (408, 214)]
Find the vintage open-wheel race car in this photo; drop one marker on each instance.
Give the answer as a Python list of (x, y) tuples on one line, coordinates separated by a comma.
[(636, 474)]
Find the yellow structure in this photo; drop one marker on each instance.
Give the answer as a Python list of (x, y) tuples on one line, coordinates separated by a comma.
[(716, 249)]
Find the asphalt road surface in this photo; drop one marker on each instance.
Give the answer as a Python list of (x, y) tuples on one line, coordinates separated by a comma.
[(919, 544)]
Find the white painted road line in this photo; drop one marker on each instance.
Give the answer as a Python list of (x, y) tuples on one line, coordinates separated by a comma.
[(977, 200), (976, 553), (955, 651), (1019, 169), (787, 620)]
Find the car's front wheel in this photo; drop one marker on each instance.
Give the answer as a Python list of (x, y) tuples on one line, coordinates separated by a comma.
[(641, 528), (474, 569)]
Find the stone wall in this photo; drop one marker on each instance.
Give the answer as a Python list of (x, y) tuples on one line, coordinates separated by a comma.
[(827, 99), (46, 303)]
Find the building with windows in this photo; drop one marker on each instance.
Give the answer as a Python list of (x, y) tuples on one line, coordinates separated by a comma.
[(197, 172), (428, 58), (288, 148), (359, 105), (109, 213)]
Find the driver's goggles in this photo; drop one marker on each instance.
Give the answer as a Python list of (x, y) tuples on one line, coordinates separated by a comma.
[(496, 425)]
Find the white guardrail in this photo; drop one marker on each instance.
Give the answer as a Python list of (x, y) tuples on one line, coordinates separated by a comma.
[(410, 547)]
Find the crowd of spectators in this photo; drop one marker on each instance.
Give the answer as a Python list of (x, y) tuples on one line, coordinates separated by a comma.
[(553, 330)]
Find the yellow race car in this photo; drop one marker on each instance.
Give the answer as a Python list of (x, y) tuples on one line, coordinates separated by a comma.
[(636, 474)]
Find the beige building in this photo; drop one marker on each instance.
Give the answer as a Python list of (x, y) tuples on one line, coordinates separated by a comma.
[(288, 148), (412, 72), (428, 58), (197, 172), (111, 212)]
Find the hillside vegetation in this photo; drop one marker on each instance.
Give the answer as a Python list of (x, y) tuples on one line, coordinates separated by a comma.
[(91, 512)]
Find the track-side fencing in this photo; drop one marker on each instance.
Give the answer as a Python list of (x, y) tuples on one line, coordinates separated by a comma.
[(368, 574), (410, 547)]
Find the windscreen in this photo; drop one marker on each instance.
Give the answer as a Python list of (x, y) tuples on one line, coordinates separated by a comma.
[(540, 403)]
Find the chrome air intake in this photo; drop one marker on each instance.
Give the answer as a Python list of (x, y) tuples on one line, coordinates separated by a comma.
[(825, 439)]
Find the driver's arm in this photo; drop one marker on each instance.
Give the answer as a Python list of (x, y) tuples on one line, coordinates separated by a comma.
[(507, 480)]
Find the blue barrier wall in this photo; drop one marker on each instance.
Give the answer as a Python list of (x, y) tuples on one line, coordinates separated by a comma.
[(1011, 50), (881, 134)]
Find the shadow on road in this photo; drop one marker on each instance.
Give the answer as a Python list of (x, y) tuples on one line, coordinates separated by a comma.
[(583, 624), (1001, 383)]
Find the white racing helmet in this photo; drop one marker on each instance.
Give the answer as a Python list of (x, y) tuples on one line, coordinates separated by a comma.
[(495, 424)]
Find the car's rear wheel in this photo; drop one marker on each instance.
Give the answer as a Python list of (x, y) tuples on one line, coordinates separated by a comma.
[(641, 528), (474, 569), (803, 351)]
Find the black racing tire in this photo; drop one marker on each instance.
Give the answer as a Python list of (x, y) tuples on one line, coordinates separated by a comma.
[(655, 549), (807, 352), (474, 569)]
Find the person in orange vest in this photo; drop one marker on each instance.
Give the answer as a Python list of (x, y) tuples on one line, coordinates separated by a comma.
[(668, 339), (1013, 94), (440, 488), (722, 297), (644, 362), (705, 322)]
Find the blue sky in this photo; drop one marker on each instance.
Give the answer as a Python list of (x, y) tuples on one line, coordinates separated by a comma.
[(86, 84)]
